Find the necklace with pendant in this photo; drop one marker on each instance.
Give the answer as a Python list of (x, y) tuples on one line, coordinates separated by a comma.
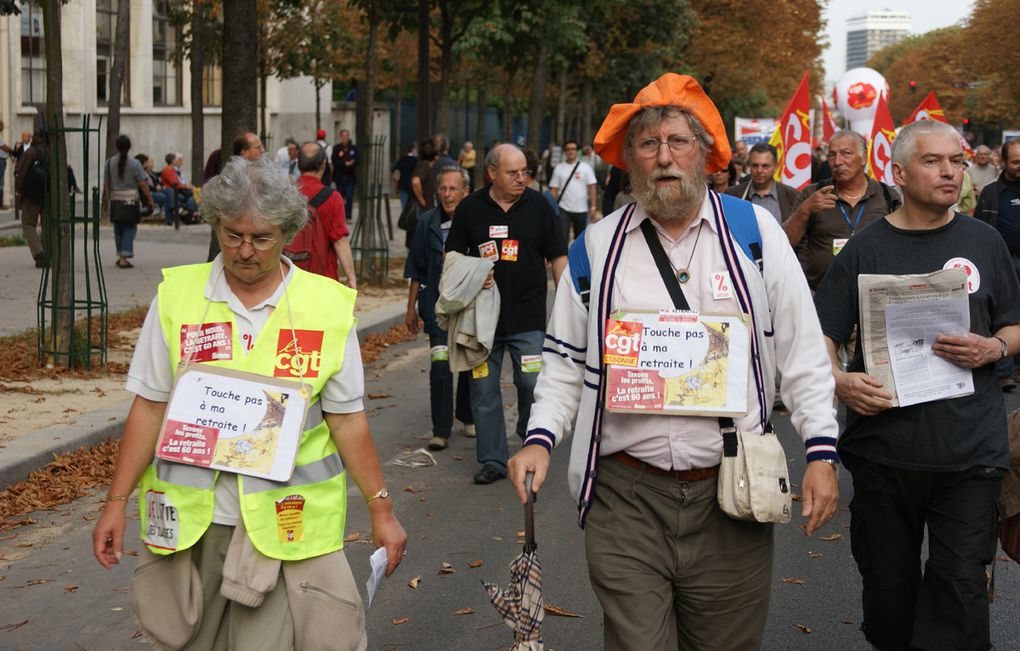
[(683, 274)]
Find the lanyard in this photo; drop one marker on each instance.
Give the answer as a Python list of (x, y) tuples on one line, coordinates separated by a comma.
[(853, 226)]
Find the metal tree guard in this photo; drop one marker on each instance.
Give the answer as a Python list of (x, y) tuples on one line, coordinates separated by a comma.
[(369, 243), (79, 235)]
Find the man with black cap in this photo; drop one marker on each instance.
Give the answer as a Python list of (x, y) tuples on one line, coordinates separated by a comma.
[(670, 568)]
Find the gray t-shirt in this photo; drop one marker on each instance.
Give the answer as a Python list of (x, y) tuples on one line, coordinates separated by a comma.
[(133, 174), (944, 435)]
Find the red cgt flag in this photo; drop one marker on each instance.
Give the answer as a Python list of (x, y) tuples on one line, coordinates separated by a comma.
[(883, 132), (828, 124), (928, 109), (793, 139)]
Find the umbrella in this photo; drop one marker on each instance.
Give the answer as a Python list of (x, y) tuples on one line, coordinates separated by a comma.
[(520, 603)]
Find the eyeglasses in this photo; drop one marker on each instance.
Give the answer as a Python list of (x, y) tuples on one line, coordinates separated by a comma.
[(649, 147), (518, 174), (234, 241)]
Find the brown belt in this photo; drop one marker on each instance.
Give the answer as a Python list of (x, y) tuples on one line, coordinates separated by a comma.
[(696, 474)]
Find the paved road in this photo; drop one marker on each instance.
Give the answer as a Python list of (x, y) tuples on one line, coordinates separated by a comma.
[(448, 519)]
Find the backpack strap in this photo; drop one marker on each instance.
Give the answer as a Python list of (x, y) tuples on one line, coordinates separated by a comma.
[(320, 197), (744, 226), (580, 269)]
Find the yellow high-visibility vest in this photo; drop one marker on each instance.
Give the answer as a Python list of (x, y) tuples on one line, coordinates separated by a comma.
[(303, 517)]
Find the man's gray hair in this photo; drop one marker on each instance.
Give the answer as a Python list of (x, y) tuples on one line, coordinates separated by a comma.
[(862, 144), (905, 144), (260, 189), (652, 116), (464, 175), (493, 157), (310, 162)]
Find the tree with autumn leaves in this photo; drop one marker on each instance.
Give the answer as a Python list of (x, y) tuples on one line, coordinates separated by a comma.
[(967, 65)]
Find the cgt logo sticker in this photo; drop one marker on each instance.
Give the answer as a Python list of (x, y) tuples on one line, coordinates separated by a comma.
[(300, 356)]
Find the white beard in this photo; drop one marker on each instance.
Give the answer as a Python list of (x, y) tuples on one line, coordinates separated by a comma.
[(669, 203)]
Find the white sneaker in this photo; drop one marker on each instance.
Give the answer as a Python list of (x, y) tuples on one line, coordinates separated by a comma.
[(469, 430)]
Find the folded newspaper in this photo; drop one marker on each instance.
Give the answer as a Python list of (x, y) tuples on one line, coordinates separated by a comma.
[(901, 315)]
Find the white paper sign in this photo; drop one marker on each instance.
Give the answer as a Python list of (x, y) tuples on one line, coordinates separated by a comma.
[(238, 422)]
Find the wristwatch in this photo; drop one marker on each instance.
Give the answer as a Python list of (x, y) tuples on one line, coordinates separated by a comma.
[(1003, 348), (381, 495)]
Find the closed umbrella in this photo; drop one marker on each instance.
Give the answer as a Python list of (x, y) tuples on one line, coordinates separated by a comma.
[(520, 603)]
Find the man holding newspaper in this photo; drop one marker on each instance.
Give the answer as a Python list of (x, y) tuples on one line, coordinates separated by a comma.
[(934, 295)]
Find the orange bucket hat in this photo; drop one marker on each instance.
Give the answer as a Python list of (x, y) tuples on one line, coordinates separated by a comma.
[(670, 89)]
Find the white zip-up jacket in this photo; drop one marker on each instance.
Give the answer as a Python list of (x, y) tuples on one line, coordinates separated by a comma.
[(785, 335)]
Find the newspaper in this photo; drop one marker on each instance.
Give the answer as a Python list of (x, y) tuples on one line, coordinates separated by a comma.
[(934, 303)]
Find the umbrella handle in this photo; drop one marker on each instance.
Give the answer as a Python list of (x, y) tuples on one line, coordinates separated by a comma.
[(529, 515)]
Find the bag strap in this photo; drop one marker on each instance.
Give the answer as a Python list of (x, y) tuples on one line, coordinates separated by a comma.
[(569, 179), (726, 425), (320, 197)]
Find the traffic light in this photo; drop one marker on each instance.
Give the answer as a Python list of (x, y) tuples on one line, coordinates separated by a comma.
[(913, 86)]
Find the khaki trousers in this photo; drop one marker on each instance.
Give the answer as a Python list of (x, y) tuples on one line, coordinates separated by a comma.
[(671, 570), (30, 212)]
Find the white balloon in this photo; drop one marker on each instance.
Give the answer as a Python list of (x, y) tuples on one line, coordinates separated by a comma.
[(856, 97)]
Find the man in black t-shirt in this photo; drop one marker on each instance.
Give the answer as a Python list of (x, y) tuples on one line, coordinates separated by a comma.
[(516, 228), (939, 463)]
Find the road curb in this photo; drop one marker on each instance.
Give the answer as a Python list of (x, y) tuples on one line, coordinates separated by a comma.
[(33, 451)]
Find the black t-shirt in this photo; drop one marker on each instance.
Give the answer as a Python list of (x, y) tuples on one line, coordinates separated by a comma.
[(944, 435), (1008, 222), (519, 241)]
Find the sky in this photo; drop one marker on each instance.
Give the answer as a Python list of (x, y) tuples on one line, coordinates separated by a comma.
[(925, 15)]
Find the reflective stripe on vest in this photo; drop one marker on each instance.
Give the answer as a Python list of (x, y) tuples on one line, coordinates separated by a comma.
[(310, 473)]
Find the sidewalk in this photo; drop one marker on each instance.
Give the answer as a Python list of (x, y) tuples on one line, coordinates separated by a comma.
[(155, 247)]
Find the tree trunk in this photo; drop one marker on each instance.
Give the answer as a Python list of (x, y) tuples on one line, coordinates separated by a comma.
[(120, 55), (363, 128), (536, 104), (61, 340), (508, 107), (480, 133), (240, 73), (263, 126), (424, 123), (561, 106), (586, 110), (396, 146), (197, 63), (240, 78), (318, 103)]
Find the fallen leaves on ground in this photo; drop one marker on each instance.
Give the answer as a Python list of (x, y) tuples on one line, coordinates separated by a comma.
[(464, 611), (446, 568), (413, 583), (352, 537), (11, 627), (814, 555), (378, 396), (137, 634), (800, 582), (374, 344), (71, 588), (397, 621), (831, 538), (36, 582), (556, 611), (62, 481), (847, 621), (476, 564), (796, 498), (804, 629)]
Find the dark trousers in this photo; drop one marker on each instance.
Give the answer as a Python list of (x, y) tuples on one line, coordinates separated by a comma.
[(1006, 367), (345, 186), (945, 607), (576, 219), (441, 396)]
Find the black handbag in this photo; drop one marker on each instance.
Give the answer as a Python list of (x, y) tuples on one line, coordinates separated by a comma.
[(125, 213), (408, 219)]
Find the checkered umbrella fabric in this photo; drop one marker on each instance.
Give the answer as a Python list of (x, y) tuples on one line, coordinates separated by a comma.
[(520, 603)]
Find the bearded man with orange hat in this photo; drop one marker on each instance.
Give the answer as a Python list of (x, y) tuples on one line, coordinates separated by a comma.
[(669, 566)]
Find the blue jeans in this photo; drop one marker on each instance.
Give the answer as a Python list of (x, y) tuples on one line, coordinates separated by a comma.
[(441, 396), (165, 200), (124, 237), (403, 194), (345, 185), (487, 400), (3, 171)]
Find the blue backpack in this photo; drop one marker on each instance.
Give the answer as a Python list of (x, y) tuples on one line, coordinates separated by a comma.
[(739, 216)]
